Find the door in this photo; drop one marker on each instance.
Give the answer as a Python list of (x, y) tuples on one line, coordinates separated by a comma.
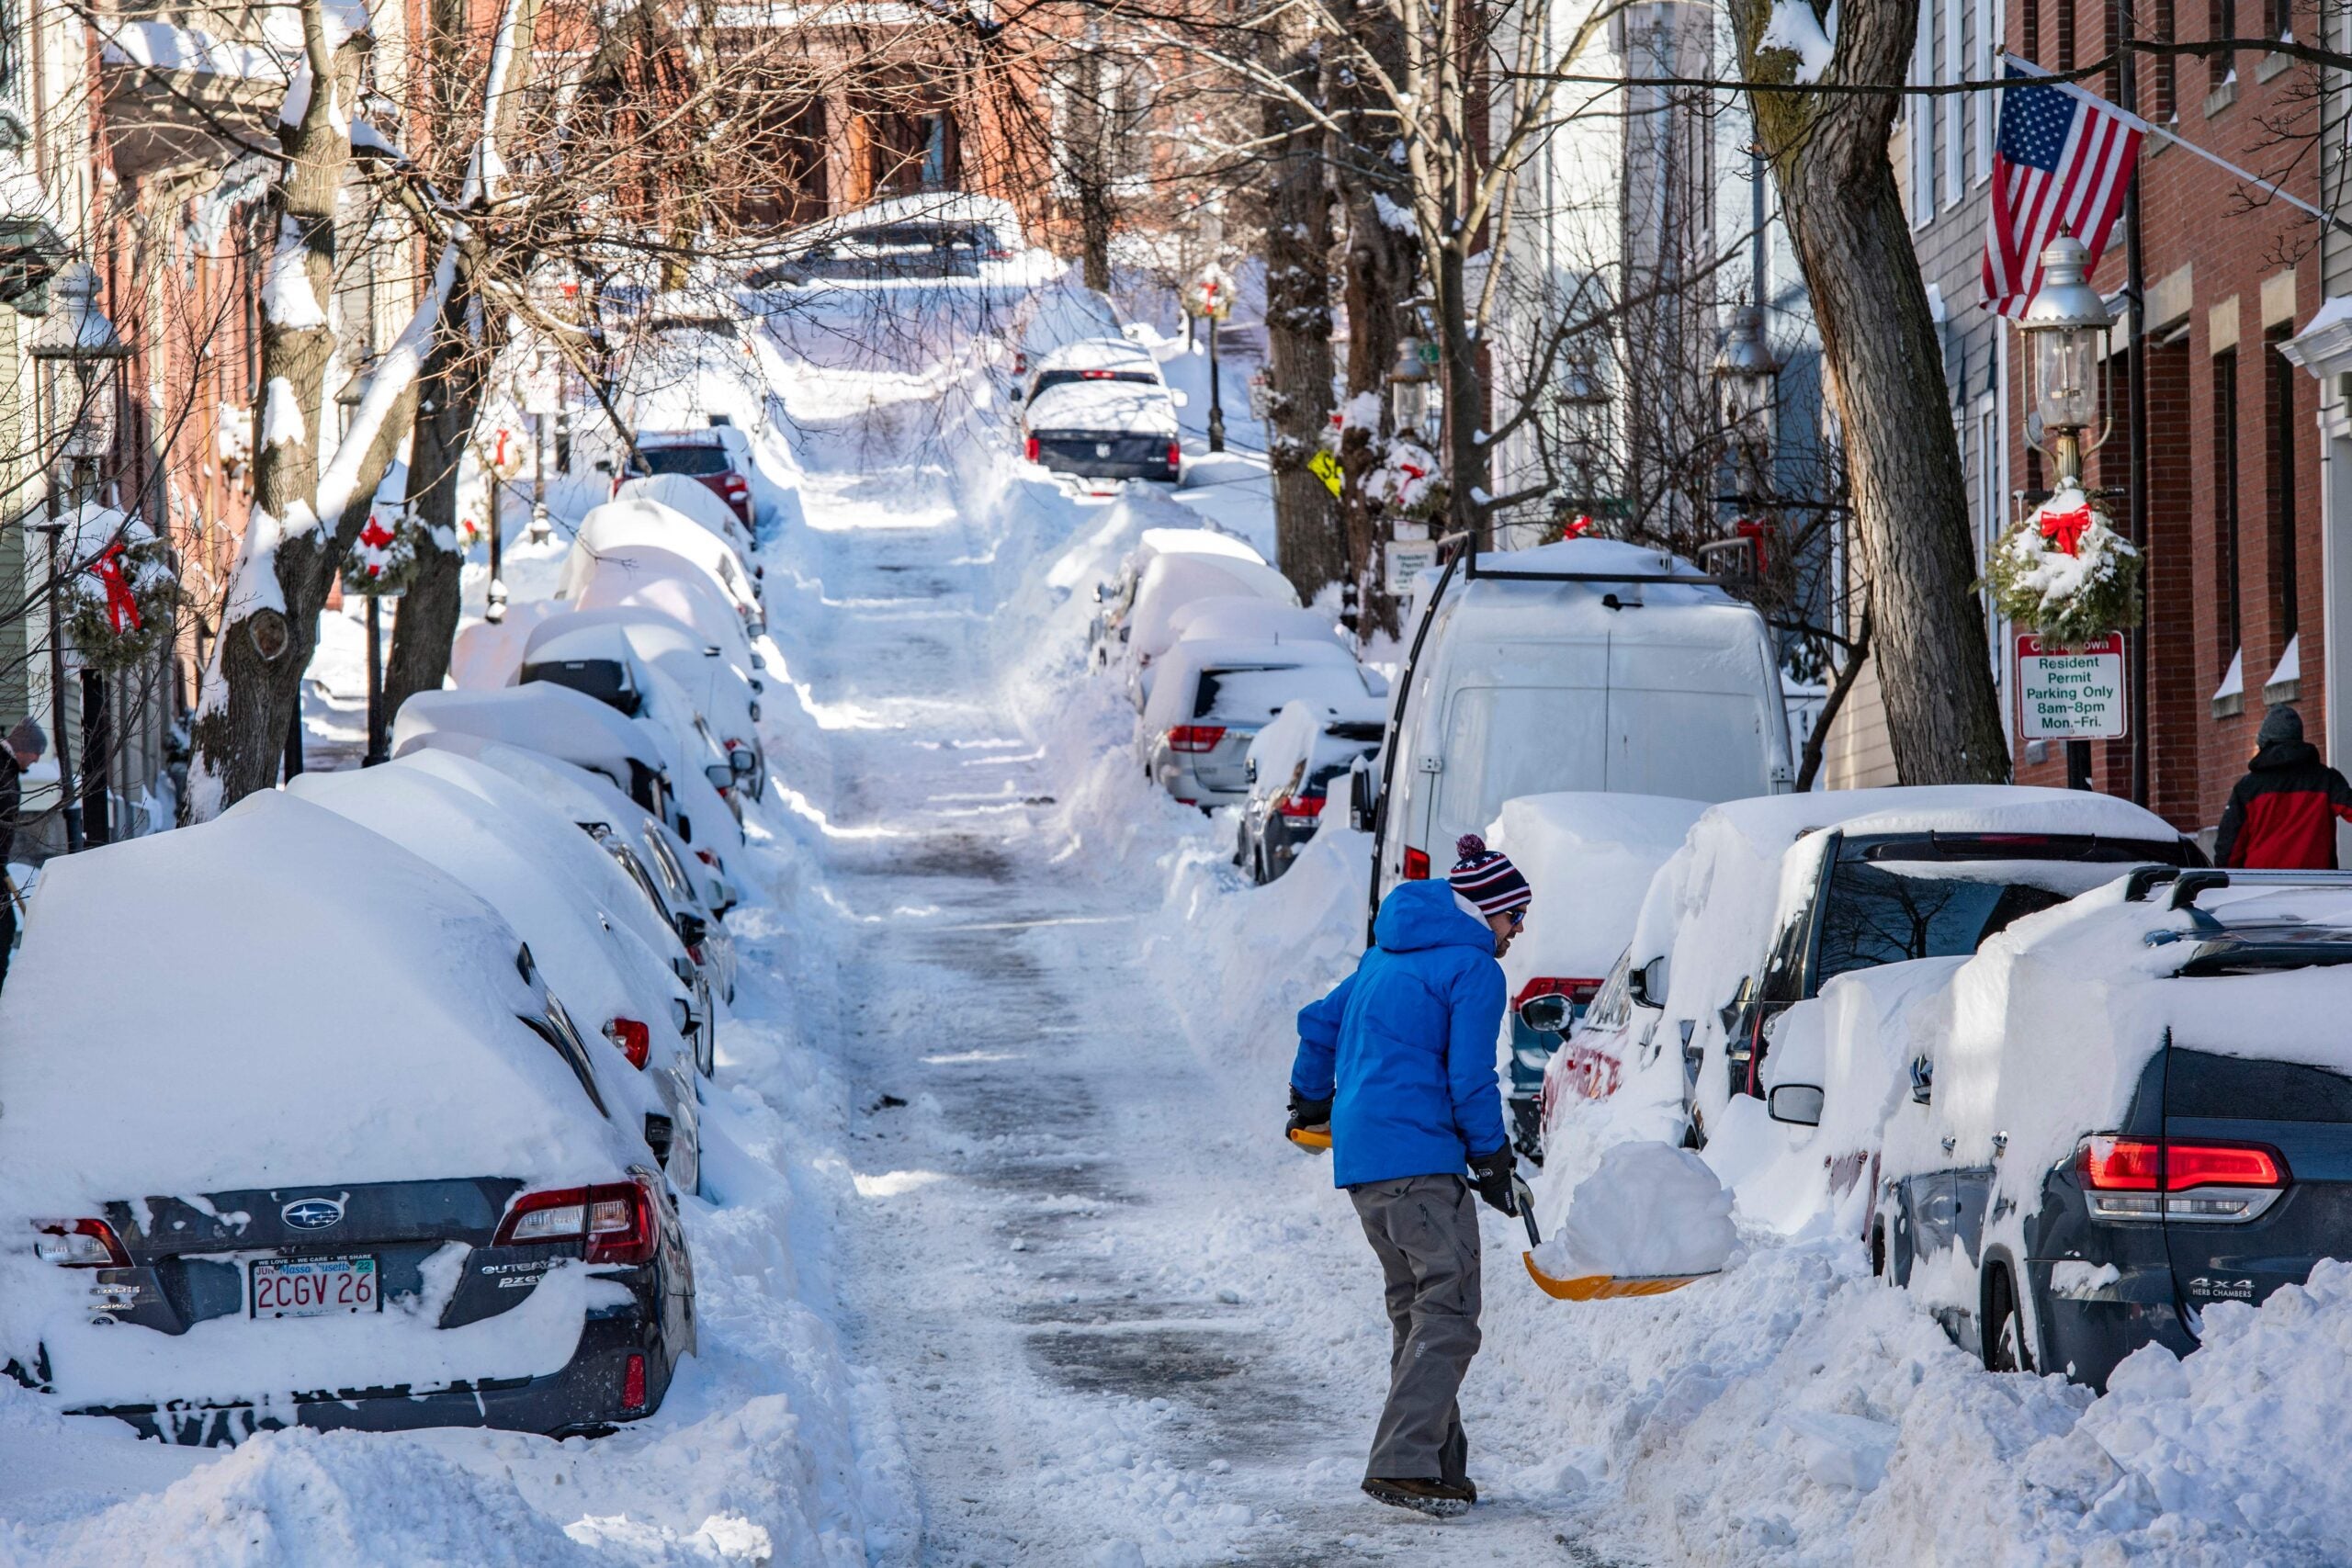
[(1506, 740), (2259, 1171)]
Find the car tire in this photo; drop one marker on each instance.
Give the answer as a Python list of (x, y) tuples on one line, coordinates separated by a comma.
[(2005, 1348)]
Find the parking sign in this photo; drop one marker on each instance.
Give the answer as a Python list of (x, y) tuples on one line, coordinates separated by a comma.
[(2071, 693)]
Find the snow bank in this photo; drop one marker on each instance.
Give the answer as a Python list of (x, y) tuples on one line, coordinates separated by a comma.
[(1588, 857), (1650, 1209)]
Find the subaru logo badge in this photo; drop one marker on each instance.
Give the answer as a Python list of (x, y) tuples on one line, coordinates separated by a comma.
[(311, 1213)]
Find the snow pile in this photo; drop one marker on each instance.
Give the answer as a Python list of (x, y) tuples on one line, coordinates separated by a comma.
[(1588, 857), (1650, 1209)]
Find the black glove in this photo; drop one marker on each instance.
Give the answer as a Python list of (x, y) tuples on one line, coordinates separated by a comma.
[(1305, 1112), (1491, 1174)]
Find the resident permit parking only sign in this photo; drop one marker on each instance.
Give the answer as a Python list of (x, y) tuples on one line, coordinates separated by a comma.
[(2071, 693)]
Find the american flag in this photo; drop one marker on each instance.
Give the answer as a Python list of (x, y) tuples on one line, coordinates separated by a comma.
[(2064, 158)]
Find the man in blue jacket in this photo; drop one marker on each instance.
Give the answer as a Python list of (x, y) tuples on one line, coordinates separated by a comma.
[(1400, 1061)]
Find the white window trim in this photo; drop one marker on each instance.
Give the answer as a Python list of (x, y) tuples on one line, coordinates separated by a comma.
[(1956, 114)]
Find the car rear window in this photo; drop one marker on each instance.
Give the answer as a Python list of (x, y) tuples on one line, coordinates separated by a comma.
[(1886, 912), (2230, 1089), (1064, 377), (696, 462), (1257, 690)]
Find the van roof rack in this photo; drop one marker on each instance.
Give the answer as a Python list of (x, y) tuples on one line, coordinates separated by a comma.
[(1465, 548), (2187, 884)]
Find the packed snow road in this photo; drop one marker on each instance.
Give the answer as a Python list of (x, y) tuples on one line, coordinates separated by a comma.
[(1104, 1341)]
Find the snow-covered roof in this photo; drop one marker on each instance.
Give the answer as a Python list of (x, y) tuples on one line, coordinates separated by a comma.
[(1119, 407), (1191, 542), (989, 212), (623, 530), (648, 578), (1100, 353), (561, 637), (688, 497), (540, 717), (1544, 605), (1241, 615), (1322, 674), (360, 1025), (1770, 823), (1171, 581)]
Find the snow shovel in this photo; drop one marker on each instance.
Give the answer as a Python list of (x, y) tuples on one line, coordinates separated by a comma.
[(1588, 1287)]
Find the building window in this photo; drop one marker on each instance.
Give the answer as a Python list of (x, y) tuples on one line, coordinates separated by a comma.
[(2224, 469), (1980, 104), (2277, 19), (2065, 35), (2280, 416), (2163, 84), (2221, 21), (2029, 33)]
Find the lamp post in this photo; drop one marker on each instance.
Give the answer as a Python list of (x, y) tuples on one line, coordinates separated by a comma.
[(353, 391), (74, 353), (2063, 328), (1748, 384), (1408, 390)]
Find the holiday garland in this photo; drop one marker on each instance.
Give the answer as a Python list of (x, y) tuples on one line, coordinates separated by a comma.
[(120, 600), (2065, 573)]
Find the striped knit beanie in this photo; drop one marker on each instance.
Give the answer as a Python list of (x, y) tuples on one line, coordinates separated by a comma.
[(1486, 878)]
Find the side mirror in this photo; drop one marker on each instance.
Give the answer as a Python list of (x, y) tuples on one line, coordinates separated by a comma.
[(720, 775), (1361, 787), (691, 927), (1798, 1105), (1249, 769), (1923, 1080), (1180, 399), (1548, 1014), (604, 464), (743, 763), (1647, 984), (758, 662)]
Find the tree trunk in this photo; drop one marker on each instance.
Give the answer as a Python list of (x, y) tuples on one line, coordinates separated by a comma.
[(1381, 260), (449, 393), (1467, 459), (269, 624), (1885, 368), (1311, 548)]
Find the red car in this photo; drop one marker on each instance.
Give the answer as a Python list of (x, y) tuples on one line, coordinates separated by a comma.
[(718, 458)]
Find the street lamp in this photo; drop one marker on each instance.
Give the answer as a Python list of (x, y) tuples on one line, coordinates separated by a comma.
[(74, 353), (1747, 379), (1408, 389), (2064, 325), (355, 391)]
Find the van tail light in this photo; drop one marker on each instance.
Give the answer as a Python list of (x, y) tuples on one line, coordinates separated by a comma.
[(738, 486), (1029, 449), (1175, 455), (633, 1382), (615, 1222), (1195, 737), (1578, 992), (1417, 864), (632, 1039), (2122, 1177), (1307, 805), (79, 1244)]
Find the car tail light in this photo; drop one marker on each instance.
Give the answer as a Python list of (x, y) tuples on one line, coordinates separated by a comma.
[(613, 1220), (1577, 991), (2122, 1178), (708, 858), (1417, 864), (737, 485), (1020, 362), (1175, 455), (632, 1039), (1030, 449), (1195, 737), (633, 1382), (695, 952), (79, 1244), (1301, 806)]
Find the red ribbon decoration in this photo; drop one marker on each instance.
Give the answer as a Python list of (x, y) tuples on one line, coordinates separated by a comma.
[(120, 604), (375, 536), (2065, 529)]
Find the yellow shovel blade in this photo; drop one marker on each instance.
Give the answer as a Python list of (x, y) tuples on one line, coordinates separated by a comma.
[(1604, 1287), (1314, 1140)]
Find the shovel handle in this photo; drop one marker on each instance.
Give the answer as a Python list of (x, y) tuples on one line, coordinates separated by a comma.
[(1526, 1207)]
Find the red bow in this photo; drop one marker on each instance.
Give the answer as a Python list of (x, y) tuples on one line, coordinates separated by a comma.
[(375, 536), (1578, 528), (120, 606), (2065, 529)]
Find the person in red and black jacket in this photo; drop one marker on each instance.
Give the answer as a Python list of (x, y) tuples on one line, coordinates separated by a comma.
[(2282, 815)]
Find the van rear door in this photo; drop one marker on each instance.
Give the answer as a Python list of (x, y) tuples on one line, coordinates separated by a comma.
[(1521, 738), (1689, 719)]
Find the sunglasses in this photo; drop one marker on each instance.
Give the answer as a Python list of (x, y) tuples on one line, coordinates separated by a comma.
[(1518, 917)]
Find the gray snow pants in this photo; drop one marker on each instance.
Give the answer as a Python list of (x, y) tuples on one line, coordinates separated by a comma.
[(1425, 1230)]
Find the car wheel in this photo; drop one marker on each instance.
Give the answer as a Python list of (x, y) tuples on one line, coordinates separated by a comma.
[(2005, 1343)]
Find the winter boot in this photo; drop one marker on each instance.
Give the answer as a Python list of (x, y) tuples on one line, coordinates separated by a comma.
[(1440, 1499)]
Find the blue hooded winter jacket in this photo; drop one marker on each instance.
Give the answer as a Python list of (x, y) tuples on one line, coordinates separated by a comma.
[(1405, 1046)]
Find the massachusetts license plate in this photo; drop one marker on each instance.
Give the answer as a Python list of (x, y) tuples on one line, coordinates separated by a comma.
[(313, 1287)]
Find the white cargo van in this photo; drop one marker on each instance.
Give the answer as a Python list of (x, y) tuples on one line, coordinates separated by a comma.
[(1584, 665)]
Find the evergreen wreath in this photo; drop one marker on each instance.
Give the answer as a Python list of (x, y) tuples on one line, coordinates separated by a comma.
[(2066, 573), (384, 555), (120, 597)]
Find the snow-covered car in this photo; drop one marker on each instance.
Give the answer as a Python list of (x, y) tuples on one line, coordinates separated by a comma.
[(1589, 664), (1215, 693), (654, 579), (1173, 580), (598, 662), (1588, 858), (1099, 409), (1059, 312), (717, 457), (548, 717), (1290, 767), (2121, 1114), (1769, 899), (639, 537), (610, 645), (1115, 600), (360, 1169), (549, 883), (684, 897)]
